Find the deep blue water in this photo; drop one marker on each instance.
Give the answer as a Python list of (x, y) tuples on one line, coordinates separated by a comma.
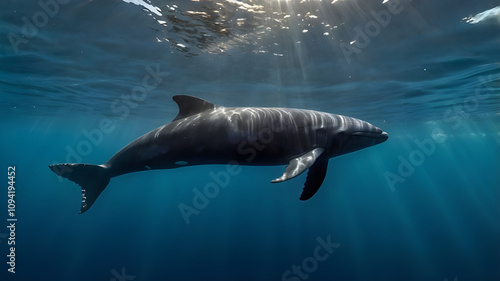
[(424, 205)]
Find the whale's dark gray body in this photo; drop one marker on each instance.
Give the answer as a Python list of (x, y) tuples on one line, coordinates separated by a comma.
[(205, 133)]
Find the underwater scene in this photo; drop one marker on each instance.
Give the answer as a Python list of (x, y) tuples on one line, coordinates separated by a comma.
[(250, 140)]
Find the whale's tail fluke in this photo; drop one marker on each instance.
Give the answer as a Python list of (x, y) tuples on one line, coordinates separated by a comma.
[(92, 178)]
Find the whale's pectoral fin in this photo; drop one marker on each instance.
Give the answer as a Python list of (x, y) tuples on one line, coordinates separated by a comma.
[(315, 178), (299, 164)]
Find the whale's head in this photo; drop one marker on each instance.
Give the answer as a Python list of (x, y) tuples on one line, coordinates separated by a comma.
[(356, 134)]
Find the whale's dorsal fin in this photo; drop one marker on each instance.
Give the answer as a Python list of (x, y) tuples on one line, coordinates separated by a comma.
[(189, 105)]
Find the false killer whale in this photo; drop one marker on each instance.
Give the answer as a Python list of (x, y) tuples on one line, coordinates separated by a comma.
[(206, 133)]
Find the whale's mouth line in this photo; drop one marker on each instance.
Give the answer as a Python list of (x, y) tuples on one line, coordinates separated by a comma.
[(382, 135)]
